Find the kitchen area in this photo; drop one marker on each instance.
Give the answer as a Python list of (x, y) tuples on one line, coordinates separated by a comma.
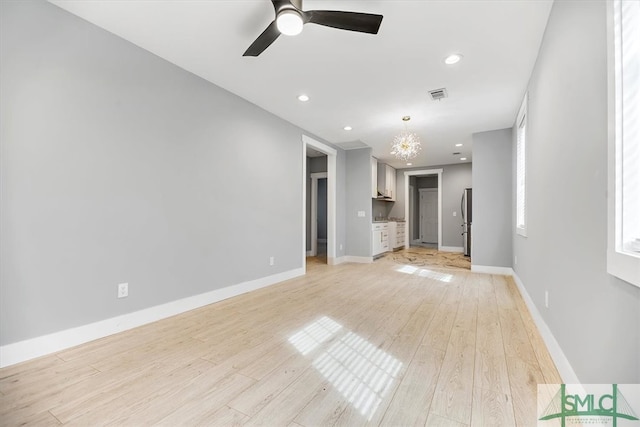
[(388, 236), (436, 214), (388, 233)]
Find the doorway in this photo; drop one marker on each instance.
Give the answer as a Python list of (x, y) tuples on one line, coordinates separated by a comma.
[(412, 208), (307, 212), (428, 216), (318, 218)]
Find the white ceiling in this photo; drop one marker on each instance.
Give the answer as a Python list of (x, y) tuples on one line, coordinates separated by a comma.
[(366, 81)]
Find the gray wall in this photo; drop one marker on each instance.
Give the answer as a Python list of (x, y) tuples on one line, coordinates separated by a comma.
[(381, 208), (492, 199), (118, 166), (455, 178), (341, 203), (594, 316), (427, 181), (358, 186)]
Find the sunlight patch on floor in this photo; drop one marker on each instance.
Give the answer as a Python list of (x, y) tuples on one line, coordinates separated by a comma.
[(423, 272), (360, 371), (314, 334)]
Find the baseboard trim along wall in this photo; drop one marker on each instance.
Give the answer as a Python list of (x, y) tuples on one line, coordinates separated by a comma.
[(457, 249), (562, 363), (488, 269), (21, 351), (350, 258)]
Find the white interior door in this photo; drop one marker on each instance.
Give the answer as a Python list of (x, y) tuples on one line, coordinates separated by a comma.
[(429, 215)]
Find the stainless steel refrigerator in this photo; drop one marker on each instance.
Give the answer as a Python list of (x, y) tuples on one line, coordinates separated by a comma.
[(465, 208)]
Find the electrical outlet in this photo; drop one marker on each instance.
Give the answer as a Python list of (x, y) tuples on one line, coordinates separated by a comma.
[(340, 246), (123, 290), (361, 214), (272, 261), (546, 299), (455, 213), (515, 259)]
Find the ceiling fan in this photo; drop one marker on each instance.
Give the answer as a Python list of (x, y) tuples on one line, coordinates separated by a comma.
[(290, 18)]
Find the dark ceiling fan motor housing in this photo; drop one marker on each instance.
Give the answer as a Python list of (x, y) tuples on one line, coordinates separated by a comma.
[(352, 21)]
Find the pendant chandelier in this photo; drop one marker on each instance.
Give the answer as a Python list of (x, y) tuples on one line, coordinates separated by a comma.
[(406, 146)]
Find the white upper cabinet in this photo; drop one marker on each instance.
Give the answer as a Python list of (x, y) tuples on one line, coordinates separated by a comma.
[(374, 177), (387, 181)]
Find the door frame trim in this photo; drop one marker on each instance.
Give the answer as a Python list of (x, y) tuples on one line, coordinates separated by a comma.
[(407, 174), (332, 155)]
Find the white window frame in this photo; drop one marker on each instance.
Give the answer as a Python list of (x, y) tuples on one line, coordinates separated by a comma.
[(620, 263), (521, 168)]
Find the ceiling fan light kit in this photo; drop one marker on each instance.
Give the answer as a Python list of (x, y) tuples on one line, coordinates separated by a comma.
[(289, 22), (290, 18)]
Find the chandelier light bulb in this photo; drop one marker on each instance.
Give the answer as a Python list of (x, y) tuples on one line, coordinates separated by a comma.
[(406, 146)]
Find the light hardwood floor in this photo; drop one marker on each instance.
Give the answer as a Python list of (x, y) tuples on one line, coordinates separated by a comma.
[(381, 344)]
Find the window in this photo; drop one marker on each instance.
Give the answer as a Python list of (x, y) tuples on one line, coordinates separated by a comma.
[(624, 141), (521, 164)]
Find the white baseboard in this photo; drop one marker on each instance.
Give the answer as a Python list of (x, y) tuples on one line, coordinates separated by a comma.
[(457, 249), (21, 351), (489, 269), (359, 259), (562, 363), (350, 258)]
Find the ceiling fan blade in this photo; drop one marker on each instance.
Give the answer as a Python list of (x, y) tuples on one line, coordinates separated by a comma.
[(263, 41), (353, 21)]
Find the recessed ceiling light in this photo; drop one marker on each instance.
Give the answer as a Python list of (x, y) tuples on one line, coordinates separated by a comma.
[(453, 59), (303, 98), (347, 128), (463, 158), (458, 145), (409, 164)]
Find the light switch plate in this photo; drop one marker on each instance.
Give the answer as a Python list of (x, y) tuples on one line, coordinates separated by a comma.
[(361, 214)]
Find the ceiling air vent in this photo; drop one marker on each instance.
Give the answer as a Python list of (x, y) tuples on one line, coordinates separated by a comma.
[(438, 94)]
